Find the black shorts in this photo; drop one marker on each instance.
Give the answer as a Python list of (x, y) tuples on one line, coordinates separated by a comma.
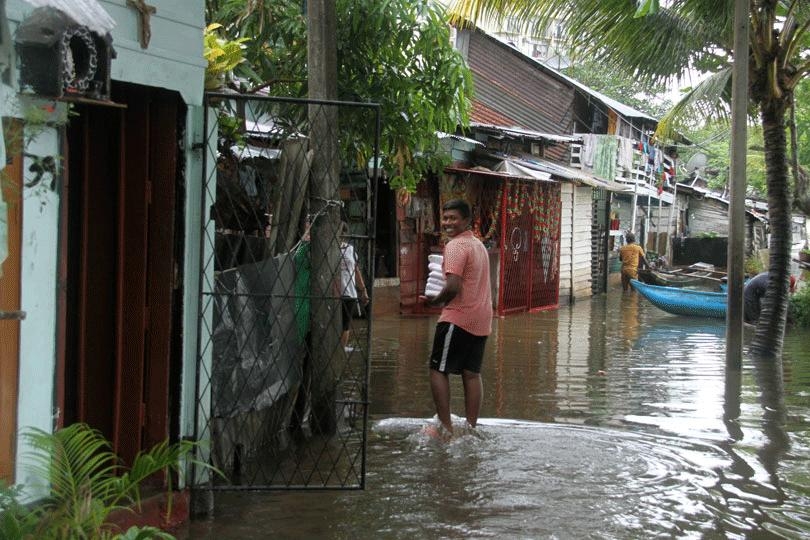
[(350, 309), (455, 349)]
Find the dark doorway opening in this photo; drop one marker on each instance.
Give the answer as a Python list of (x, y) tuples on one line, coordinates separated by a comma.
[(121, 238)]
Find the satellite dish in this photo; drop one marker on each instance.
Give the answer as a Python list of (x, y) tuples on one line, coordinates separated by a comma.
[(696, 162)]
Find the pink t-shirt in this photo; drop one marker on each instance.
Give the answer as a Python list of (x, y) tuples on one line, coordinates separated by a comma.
[(471, 309)]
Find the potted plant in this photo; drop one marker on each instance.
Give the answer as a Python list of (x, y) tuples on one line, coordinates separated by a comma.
[(804, 253)]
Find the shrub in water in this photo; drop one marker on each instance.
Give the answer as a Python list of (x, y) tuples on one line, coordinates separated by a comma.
[(800, 307)]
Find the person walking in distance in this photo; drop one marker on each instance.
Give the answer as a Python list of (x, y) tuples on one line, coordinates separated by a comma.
[(352, 286), (631, 255), (466, 317)]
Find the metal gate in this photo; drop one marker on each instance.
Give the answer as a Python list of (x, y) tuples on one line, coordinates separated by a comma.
[(516, 249), (283, 357), (545, 271), (530, 246)]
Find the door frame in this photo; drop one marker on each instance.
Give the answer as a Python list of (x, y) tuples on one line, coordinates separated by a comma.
[(10, 296)]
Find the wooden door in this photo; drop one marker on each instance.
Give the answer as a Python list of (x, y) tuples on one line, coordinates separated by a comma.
[(10, 306), (120, 318)]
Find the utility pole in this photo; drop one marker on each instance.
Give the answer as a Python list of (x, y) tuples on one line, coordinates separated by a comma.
[(736, 237), (325, 351)]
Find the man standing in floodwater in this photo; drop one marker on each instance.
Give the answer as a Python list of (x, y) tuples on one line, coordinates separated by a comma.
[(631, 255), (466, 318), (754, 291)]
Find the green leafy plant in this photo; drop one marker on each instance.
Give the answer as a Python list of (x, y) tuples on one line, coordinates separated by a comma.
[(231, 128), (753, 265), (223, 55), (799, 307), (85, 482), (397, 53), (35, 116)]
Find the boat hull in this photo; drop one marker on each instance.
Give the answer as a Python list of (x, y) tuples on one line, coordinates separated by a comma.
[(683, 301)]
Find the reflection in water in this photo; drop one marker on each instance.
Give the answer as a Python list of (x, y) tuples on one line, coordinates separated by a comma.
[(731, 403), (629, 317), (768, 375), (605, 419)]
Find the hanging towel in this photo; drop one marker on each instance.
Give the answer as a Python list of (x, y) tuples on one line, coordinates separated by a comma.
[(626, 150), (604, 159), (588, 149)]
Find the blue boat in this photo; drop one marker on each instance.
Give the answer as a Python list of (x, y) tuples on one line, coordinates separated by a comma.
[(684, 301)]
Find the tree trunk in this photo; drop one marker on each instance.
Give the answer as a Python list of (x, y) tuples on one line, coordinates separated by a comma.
[(801, 183), (801, 191), (770, 329)]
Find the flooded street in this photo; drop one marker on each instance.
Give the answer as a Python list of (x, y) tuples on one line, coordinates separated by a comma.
[(605, 419)]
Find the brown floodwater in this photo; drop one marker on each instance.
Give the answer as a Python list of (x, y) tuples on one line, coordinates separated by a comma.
[(605, 419)]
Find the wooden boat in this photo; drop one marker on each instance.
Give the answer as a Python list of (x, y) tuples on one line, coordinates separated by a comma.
[(683, 301), (702, 271), (667, 279)]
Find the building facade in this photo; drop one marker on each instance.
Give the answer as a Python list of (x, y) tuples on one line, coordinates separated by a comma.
[(103, 120)]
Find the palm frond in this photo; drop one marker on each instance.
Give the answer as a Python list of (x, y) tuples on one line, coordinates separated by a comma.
[(86, 481), (70, 459), (708, 100), (655, 48), (796, 40), (463, 12)]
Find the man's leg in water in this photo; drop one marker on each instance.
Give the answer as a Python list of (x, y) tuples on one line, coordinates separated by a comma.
[(440, 388), (473, 395)]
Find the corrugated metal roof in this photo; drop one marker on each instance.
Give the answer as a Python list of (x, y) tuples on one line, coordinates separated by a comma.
[(708, 194), (443, 135), (538, 169), (618, 107), (486, 115), (88, 13), (483, 171), (515, 168), (575, 175), (521, 132), (517, 90)]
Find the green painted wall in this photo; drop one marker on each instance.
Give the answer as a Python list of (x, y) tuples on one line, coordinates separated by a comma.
[(173, 61)]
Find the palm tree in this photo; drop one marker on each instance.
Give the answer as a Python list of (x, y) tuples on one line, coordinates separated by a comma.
[(680, 35)]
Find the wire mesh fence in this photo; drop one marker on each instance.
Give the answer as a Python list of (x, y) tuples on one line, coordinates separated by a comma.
[(287, 266)]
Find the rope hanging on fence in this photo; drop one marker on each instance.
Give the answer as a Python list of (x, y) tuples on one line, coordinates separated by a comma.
[(311, 218)]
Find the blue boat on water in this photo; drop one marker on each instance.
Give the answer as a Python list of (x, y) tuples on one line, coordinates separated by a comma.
[(684, 301)]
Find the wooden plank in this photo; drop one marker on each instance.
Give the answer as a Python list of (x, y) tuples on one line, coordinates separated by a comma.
[(10, 287), (131, 333), (163, 141)]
